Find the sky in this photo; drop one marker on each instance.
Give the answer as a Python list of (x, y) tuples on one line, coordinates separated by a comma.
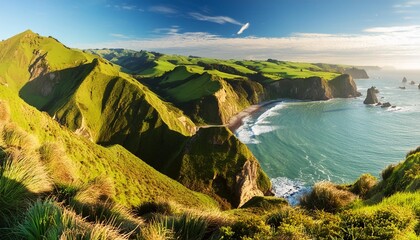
[(356, 32)]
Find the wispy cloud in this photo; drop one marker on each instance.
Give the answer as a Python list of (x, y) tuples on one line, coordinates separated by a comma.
[(118, 35), (167, 31), (126, 7), (163, 9), (396, 46), (215, 19), (243, 28), (408, 4)]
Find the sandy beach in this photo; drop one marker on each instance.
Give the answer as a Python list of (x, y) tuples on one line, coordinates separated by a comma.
[(236, 121)]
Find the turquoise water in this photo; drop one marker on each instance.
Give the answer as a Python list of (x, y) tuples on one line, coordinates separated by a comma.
[(299, 143)]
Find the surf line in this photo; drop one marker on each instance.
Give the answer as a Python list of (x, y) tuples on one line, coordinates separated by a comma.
[(237, 120)]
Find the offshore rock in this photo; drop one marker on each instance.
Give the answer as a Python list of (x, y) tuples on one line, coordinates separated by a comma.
[(371, 96)]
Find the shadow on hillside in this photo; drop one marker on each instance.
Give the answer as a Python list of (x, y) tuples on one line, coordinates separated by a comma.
[(48, 92)]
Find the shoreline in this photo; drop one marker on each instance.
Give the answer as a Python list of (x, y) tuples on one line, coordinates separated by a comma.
[(237, 120)]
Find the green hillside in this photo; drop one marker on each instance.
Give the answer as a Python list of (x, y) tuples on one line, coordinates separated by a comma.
[(57, 182), (93, 98), (195, 83)]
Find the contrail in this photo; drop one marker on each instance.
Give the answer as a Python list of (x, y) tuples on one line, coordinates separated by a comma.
[(243, 28)]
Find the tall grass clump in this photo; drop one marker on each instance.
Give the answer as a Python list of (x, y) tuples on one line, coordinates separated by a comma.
[(363, 185), (156, 230), (13, 136), (48, 220), (60, 167), (326, 196), (185, 226), (43, 220), (94, 201), (4, 111), (21, 178)]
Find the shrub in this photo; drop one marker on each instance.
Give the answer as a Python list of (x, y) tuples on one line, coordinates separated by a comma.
[(326, 196), (363, 185), (60, 167), (250, 228), (153, 207), (380, 224), (387, 172)]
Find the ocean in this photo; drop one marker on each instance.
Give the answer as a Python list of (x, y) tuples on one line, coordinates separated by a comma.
[(299, 143)]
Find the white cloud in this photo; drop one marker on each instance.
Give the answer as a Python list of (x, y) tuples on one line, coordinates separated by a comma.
[(243, 28), (162, 9), (118, 35), (215, 19), (392, 46)]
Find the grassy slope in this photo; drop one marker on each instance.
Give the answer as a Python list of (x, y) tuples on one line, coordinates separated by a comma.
[(93, 97), (191, 83), (134, 180)]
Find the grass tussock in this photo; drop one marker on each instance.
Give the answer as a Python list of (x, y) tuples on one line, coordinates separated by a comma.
[(4, 111), (99, 190), (327, 196), (21, 178), (60, 167), (363, 185), (48, 220), (14, 137)]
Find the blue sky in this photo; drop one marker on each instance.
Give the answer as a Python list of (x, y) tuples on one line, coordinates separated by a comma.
[(369, 32)]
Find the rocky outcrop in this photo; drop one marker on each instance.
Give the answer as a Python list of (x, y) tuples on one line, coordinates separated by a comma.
[(313, 88), (215, 162), (418, 86), (371, 96), (412, 82), (356, 73), (386, 105), (404, 80), (343, 86)]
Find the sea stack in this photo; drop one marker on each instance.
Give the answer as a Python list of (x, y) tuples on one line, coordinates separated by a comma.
[(419, 85), (371, 96), (412, 82), (404, 80)]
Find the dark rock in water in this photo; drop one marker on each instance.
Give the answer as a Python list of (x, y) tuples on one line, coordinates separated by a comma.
[(394, 106), (402, 87), (412, 82), (419, 86), (386, 105), (371, 96), (404, 79), (379, 104), (382, 97)]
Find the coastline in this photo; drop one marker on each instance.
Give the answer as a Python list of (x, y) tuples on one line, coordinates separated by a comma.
[(237, 120)]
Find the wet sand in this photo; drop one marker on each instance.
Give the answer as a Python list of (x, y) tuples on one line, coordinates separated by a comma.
[(236, 121)]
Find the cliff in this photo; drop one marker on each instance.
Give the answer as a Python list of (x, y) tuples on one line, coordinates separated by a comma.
[(313, 88), (216, 163)]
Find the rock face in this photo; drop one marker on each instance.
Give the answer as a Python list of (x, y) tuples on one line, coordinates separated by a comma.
[(412, 82), (216, 163), (313, 88), (371, 96), (357, 73), (419, 86), (343, 86), (404, 80)]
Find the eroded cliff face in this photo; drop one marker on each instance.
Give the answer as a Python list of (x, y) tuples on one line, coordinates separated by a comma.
[(215, 162), (356, 73), (313, 88)]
